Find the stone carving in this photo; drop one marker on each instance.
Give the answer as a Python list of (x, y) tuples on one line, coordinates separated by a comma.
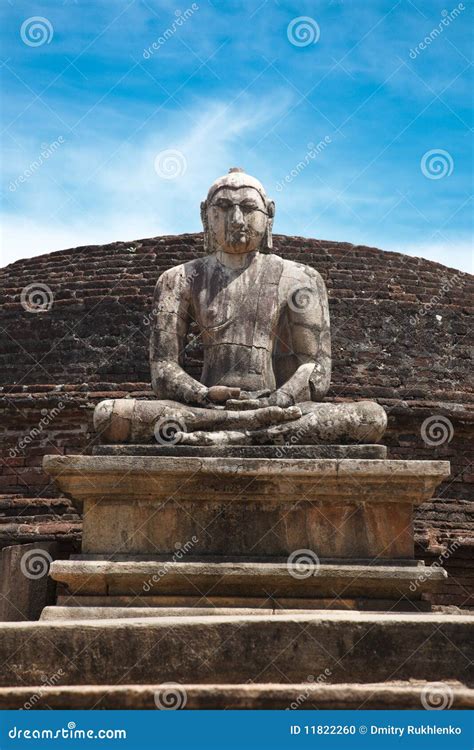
[(264, 327)]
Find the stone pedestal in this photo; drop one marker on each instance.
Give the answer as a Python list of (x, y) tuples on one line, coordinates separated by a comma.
[(222, 531)]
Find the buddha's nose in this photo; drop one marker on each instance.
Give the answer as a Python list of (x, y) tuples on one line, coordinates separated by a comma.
[(237, 217)]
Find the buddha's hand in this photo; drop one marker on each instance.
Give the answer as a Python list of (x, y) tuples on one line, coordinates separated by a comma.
[(220, 394), (277, 398)]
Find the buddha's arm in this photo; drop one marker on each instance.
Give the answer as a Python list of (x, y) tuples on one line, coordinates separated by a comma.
[(308, 316), (170, 320)]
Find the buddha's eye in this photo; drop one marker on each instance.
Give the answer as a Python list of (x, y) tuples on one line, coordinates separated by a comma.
[(222, 204), (248, 207)]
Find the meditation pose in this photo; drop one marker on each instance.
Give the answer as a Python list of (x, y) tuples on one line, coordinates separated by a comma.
[(263, 322)]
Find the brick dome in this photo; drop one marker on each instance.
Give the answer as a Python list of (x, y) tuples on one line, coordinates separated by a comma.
[(399, 323), (400, 335)]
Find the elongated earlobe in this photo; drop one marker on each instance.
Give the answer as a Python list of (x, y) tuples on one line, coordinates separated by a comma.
[(205, 226), (268, 238)]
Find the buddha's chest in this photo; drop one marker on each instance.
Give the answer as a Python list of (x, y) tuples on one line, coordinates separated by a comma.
[(238, 308)]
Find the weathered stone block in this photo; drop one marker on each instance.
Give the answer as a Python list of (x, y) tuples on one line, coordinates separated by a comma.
[(220, 650), (25, 586), (250, 508)]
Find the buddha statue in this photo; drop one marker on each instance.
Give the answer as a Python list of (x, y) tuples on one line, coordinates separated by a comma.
[(263, 323)]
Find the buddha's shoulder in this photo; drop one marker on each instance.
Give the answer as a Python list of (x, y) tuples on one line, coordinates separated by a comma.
[(184, 271), (293, 271)]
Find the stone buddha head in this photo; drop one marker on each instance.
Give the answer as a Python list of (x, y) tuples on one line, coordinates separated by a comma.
[(237, 216)]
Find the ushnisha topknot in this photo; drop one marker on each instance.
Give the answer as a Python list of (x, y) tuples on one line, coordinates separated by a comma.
[(236, 178)]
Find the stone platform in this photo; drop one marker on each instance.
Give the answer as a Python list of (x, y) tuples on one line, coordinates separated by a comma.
[(247, 507), (223, 533)]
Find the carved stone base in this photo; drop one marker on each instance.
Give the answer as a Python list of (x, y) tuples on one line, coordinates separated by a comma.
[(249, 508), (245, 451)]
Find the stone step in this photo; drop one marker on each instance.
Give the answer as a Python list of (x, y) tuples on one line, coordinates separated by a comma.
[(305, 578), (308, 695), (130, 612), (366, 647)]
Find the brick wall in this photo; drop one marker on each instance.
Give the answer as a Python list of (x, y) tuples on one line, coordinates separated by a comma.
[(400, 335)]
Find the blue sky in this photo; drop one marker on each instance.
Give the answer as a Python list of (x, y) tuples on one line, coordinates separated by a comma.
[(89, 107)]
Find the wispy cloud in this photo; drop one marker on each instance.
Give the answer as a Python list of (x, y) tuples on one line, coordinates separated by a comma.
[(128, 199)]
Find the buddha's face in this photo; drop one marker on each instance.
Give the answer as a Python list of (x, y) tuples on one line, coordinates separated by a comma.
[(237, 220)]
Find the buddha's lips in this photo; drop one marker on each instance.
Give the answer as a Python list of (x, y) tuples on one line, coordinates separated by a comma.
[(238, 234)]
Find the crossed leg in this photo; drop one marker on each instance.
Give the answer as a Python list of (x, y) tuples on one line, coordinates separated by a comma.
[(134, 421), (358, 422)]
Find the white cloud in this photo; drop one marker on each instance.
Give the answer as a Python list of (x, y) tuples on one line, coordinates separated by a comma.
[(109, 190)]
